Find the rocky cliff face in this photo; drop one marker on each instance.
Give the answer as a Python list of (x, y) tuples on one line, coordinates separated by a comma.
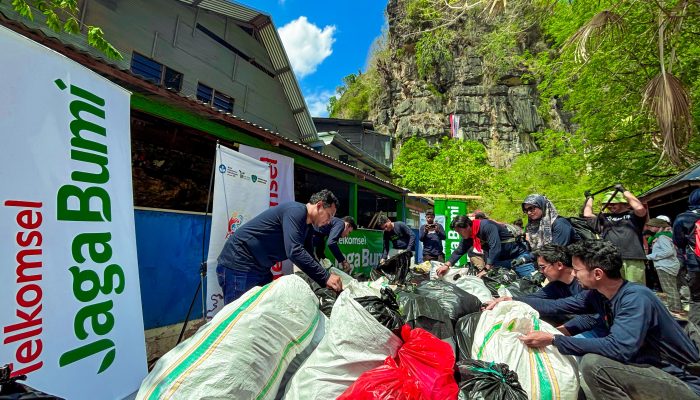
[(501, 113)]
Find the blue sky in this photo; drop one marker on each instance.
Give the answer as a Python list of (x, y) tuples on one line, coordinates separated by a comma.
[(324, 40)]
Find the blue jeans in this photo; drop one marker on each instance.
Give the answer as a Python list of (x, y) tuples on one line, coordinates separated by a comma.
[(235, 283)]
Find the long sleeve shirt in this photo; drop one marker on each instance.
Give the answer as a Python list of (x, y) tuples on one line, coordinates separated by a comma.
[(329, 235), (401, 237), (663, 254), (276, 234), (563, 232), (641, 331), (560, 290), (432, 241), (496, 241)]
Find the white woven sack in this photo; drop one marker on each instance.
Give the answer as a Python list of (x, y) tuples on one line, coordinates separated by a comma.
[(244, 351), (469, 283), (354, 343), (545, 374)]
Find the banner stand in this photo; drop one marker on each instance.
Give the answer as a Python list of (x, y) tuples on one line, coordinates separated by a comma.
[(202, 265)]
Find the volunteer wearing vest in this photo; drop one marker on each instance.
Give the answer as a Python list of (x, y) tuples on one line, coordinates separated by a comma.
[(500, 247), (684, 237), (645, 353)]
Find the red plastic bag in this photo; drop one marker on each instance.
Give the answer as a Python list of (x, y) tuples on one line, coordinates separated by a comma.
[(424, 372)]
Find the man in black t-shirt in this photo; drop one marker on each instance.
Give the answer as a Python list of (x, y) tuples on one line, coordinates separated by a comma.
[(623, 226), (398, 234)]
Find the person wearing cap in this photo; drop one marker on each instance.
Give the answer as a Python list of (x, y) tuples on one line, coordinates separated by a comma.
[(544, 225), (684, 239), (622, 225), (663, 254), (431, 234)]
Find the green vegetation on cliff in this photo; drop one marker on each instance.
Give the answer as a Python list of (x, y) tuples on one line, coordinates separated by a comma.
[(626, 72)]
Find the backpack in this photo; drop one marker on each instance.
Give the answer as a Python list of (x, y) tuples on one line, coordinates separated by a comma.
[(696, 235), (583, 229)]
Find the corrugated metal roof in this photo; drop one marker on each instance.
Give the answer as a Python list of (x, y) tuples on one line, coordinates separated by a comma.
[(273, 44), (690, 174)]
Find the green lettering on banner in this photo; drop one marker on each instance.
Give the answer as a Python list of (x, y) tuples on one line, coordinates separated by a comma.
[(362, 249), (89, 204), (451, 209)]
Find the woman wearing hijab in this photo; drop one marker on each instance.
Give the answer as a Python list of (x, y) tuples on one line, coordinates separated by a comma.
[(544, 225)]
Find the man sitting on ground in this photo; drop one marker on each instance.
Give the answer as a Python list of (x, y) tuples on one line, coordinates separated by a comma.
[(645, 353)]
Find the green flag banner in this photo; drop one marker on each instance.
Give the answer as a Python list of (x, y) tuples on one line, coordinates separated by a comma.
[(450, 209)]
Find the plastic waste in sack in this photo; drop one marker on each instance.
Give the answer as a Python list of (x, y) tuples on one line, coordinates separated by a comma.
[(424, 370), (354, 343), (544, 373), (245, 350), (469, 283), (488, 380)]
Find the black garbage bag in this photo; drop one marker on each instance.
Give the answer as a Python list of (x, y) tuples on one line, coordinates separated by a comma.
[(11, 389), (425, 313), (487, 381), (326, 296), (455, 301), (498, 277), (523, 287), (464, 335), (395, 269), (385, 309)]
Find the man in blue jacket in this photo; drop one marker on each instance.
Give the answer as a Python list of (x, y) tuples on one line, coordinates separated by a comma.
[(500, 247), (329, 235), (277, 234), (645, 353), (398, 234), (684, 239)]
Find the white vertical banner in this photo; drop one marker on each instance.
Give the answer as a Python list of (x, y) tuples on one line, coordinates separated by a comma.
[(281, 189), (240, 193), (69, 285)]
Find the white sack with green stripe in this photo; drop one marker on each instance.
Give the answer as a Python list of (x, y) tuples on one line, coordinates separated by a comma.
[(354, 343), (244, 351), (545, 374)]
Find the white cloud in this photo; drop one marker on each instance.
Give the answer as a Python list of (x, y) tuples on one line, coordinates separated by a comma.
[(306, 44), (318, 102)]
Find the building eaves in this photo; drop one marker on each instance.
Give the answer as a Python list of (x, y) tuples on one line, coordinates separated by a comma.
[(126, 78), (270, 39)]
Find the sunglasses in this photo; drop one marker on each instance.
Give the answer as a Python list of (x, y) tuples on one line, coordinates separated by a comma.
[(529, 209)]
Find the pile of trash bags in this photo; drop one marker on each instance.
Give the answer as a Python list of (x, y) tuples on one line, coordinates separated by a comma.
[(391, 337)]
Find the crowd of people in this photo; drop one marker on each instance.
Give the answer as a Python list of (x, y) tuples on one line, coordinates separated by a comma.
[(630, 344)]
